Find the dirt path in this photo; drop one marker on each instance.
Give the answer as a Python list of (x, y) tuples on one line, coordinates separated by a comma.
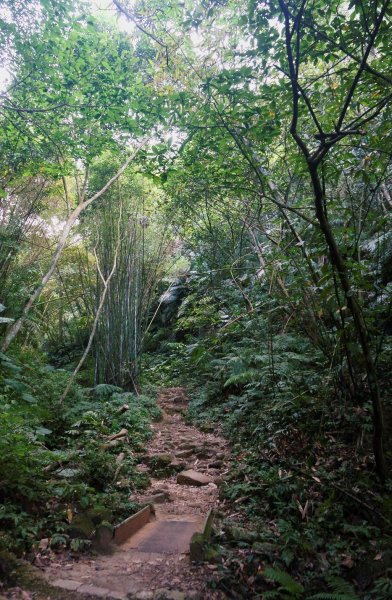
[(155, 562)]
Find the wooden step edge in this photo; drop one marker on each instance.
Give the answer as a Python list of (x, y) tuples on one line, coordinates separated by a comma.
[(124, 530)]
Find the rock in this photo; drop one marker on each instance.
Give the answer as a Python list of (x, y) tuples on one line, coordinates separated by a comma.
[(212, 554), (44, 544), (82, 526), (159, 498), (98, 514), (185, 453), (201, 551), (159, 460), (67, 584), (142, 595), (187, 446), (172, 410), (160, 464), (99, 592), (196, 547), (216, 464), (165, 594), (193, 478), (103, 537), (240, 534), (177, 465), (204, 453)]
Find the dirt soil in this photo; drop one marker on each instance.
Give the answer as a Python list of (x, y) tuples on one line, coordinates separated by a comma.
[(155, 562)]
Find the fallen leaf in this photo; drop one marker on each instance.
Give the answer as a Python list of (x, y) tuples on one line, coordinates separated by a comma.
[(348, 562)]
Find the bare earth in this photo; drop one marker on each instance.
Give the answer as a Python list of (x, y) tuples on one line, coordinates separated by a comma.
[(155, 563)]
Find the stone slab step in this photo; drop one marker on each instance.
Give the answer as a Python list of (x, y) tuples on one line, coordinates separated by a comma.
[(88, 589), (169, 537), (192, 477)]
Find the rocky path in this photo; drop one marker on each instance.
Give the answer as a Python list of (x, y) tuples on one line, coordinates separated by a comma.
[(185, 466)]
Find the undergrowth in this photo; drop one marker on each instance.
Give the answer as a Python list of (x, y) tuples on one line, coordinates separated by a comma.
[(313, 500), (302, 480), (56, 460)]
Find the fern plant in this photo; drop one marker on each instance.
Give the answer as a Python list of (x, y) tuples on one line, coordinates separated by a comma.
[(340, 590), (288, 589)]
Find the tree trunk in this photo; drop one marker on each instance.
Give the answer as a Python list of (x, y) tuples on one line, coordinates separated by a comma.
[(16, 326), (338, 263)]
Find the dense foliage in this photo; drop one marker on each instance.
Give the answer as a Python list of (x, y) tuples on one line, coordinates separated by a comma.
[(199, 193)]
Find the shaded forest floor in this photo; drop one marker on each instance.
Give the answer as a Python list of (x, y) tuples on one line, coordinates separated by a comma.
[(127, 572), (283, 525)]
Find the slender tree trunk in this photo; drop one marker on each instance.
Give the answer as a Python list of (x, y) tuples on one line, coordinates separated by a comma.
[(313, 160), (16, 326), (106, 284), (352, 302)]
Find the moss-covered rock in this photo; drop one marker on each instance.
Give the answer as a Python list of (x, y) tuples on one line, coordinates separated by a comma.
[(82, 526), (98, 514)]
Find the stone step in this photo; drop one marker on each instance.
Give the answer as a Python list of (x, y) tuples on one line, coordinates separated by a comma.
[(192, 477)]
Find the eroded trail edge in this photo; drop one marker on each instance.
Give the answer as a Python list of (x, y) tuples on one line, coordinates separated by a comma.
[(185, 466)]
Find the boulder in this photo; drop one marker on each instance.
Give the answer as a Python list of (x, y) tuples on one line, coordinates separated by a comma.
[(193, 478)]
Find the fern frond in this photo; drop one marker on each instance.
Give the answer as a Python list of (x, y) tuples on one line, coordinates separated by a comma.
[(341, 590), (105, 390), (333, 596), (287, 583), (341, 586), (240, 378)]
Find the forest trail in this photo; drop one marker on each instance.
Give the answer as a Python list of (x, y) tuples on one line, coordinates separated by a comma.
[(155, 563)]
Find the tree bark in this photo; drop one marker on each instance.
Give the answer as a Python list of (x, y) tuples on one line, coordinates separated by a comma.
[(106, 283), (338, 263), (16, 326), (313, 160)]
